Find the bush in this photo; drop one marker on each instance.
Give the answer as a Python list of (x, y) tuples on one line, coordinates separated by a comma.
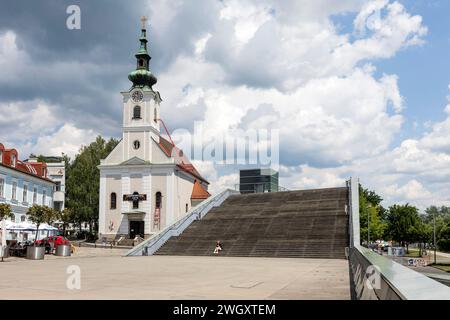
[(444, 244), (89, 236), (444, 241)]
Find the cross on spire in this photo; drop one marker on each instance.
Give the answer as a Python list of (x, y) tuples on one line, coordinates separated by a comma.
[(142, 77), (144, 22)]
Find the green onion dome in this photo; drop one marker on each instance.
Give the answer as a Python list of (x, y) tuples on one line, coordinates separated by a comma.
[(142, 77)]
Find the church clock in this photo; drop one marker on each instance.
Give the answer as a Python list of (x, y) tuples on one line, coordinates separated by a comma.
[(137, 96)]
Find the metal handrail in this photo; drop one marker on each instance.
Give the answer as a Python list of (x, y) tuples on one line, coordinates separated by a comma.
[(151, 245), (396, 281), (279, 188)]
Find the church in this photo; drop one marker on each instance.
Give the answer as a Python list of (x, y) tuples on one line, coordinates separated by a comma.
[(146, 182)]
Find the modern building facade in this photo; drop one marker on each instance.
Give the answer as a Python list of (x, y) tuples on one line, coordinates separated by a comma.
[(146, 182), (258, 180), (23, 184)]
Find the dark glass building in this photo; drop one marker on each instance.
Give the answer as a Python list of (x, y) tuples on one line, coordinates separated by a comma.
[(258, 180)]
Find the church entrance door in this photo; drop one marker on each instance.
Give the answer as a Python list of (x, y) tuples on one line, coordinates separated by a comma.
[(136, 229)]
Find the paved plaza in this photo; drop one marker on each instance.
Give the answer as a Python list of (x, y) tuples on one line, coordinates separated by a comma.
[(105, 274)]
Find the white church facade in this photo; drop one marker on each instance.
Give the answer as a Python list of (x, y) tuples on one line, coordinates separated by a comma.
[(146, 183)]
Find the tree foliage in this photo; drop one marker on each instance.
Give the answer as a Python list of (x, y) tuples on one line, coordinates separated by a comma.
[(439, 216), (83, 181), (41, 214), (5, 211), (66, 217), (370, 215), (404, 224)]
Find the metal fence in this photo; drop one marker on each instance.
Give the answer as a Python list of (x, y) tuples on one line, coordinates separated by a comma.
[(259, 187)]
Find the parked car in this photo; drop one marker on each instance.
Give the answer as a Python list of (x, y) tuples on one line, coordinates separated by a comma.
[(51, 242)]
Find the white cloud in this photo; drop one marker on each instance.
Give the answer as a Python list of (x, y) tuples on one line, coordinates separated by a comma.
[(10, 56), (67, 139), (24, 119), (318, 88), (247, 17), (224, 182), (332, 118), (33, 127), (274, 64), (201, 44)]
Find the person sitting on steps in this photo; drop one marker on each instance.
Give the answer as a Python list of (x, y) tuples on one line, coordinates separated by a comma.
[(218, 248)]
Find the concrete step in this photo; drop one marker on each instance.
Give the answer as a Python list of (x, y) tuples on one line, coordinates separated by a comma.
[(310, 223)]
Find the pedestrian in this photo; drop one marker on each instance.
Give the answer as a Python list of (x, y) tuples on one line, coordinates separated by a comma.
[(218, 248)]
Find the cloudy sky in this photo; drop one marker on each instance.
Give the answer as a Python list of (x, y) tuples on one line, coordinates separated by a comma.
[(354, 87)]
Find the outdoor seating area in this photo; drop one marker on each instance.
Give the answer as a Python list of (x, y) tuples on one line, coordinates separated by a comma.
[(28, 240), (25, 231)]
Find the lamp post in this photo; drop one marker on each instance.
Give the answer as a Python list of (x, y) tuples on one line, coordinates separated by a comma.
[(434, 235), (368, 229)]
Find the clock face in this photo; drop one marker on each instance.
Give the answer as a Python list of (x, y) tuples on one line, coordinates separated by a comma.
[(137, 96)]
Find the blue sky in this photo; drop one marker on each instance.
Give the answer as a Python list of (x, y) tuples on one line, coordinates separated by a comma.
[(423, 71), (347, 98)]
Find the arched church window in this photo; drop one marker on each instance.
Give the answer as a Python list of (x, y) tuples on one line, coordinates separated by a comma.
[(155, 115), (137, 112), (136, 144), (113, 200), (158, 200), (141, 62), (187, 207)]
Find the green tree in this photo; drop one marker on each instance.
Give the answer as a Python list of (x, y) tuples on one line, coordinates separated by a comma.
[(444, 239), (370, 215), (66, 216), (40, 214), (5, 211), (83, 181), (424, 235), (403, 224), (441, 217)]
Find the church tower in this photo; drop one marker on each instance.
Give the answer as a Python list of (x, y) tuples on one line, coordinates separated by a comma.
[(146, 182), (141, 105)]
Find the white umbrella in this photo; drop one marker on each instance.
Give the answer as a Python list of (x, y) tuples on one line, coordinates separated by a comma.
[(8, 223), (15, 226), (28, 226), (47, 227)]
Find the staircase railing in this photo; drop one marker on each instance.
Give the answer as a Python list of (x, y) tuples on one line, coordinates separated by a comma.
[(151, 245), (259, 187), (376, 277)]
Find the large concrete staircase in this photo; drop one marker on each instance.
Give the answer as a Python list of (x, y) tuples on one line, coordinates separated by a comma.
[(298, 224)]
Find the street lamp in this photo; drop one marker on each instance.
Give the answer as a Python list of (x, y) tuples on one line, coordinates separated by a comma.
[(368, 229), (434, 235)]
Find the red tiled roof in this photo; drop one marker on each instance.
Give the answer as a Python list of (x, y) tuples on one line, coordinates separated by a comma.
[(199, 192), (35, 169), (180, 159)]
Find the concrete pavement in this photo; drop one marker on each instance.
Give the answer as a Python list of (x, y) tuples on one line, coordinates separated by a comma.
[(174, 277)]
